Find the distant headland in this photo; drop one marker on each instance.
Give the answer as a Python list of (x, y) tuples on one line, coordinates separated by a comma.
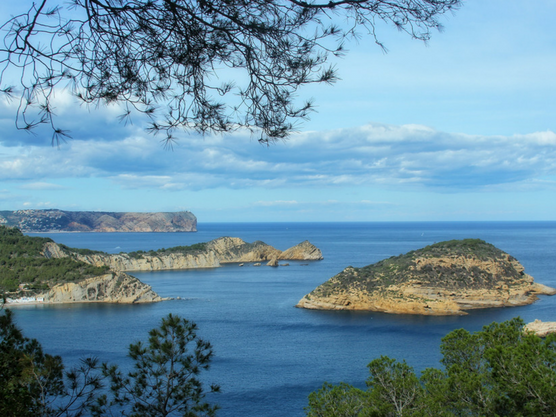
[(441, 279), (54, 220)]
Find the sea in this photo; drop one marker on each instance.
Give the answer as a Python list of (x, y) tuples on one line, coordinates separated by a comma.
[(268, 355)]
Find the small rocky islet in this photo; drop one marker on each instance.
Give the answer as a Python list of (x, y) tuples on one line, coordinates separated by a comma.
[(446, 278)]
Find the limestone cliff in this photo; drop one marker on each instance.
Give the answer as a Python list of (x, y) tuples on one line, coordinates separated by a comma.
[(35, 269), (95, 221), (206, 255), (113, 287), (441, 279)]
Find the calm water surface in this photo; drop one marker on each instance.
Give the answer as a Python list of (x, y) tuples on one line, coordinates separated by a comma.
[(269, 355)]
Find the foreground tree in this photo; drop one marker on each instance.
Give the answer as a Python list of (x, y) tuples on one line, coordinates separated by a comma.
[(33, 383), (165, 58), (340, 400), (499, 371), (165, 379)]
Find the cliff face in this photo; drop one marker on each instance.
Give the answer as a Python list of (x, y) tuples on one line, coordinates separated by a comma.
[(92, 221), (211, 255), (114, 287), (441, 279)]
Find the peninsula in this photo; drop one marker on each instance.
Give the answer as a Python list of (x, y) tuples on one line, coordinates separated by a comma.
[(223, 250), (34, 221), (446, 278), (36, 269)]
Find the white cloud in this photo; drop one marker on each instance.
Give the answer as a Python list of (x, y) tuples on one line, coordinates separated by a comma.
[(42, 186), (42, 204), (383, 155)]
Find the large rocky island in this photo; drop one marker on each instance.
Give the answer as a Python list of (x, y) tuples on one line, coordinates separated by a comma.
[(446, 278), (36, 269), (31, 221)]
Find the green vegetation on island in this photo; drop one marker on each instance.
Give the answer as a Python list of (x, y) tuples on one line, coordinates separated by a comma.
[(191, 249), (22, 262), (402, 268)]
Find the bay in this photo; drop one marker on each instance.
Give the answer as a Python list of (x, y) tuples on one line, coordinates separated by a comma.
[(270, 355)]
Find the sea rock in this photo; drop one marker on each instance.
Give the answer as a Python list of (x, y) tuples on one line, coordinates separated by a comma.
[(540, 328), (113, 287), (305, 251), (442, 279)]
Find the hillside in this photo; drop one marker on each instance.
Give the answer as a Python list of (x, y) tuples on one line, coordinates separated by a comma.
[(200, 255), (440, 279), (26, 271), (30, 221)]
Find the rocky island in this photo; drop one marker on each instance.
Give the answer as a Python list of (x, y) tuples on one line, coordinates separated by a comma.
[(33, 221), (446, 278)]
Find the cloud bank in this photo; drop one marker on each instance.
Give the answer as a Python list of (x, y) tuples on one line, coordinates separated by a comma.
[(394, 157)]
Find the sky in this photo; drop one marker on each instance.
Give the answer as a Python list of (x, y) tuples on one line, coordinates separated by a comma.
[(462, 128)]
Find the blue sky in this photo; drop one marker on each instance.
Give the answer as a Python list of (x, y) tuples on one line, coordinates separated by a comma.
[(459, 129)]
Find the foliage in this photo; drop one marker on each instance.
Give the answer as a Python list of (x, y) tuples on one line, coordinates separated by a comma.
[(33, 383), (340, 400), (393, 386), (165, 58), (464, 247), (165, 379), (195, 248), (13, 243), (81, 251), (499, 371), (22, 262)]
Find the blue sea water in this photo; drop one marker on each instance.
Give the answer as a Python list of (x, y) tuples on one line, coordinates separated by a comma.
[(269, 355)]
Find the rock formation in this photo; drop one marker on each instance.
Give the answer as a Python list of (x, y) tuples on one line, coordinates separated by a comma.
[(540, 328), (208, 255), (92, 221), (114, 287), (305, 251), (442, 279)]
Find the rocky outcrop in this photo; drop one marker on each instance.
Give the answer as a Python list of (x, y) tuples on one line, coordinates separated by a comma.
[(209, 255), (114, 287), (442, 279), (93, 221), (540, 328), (304, 251)]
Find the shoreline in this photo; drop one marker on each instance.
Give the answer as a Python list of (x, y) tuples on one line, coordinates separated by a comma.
[(36, 303)]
